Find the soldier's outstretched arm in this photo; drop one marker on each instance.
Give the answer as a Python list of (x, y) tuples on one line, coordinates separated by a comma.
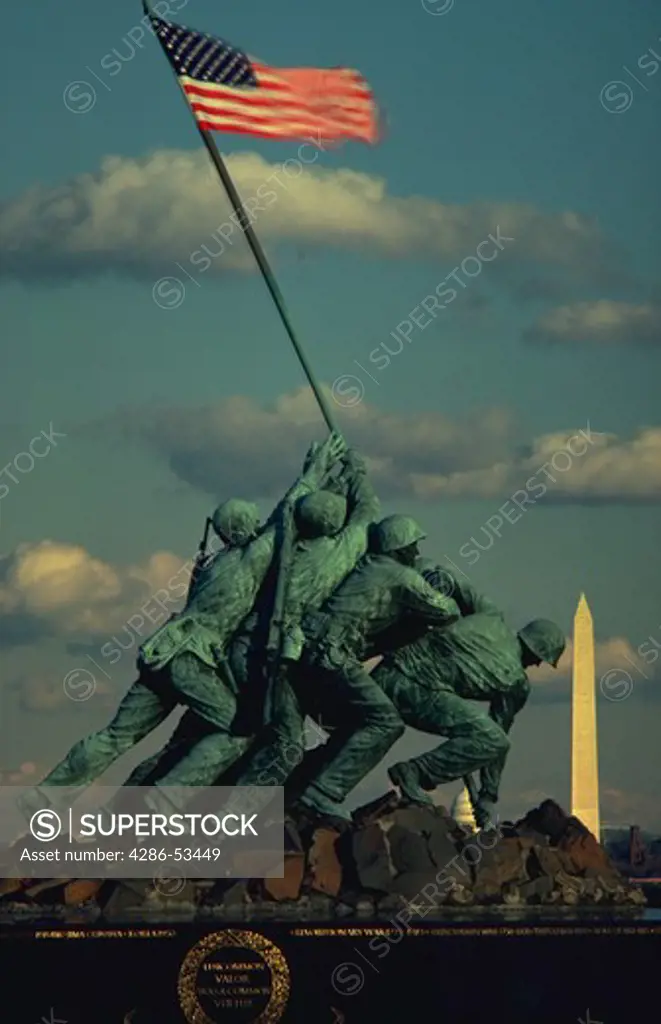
[(363, 507), (471, 601), (338, 484), (320, 460), (426, 604), (457, 585), (341, 483)]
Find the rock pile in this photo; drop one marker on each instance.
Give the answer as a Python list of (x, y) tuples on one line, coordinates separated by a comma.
[(421, 857), (393, 856)]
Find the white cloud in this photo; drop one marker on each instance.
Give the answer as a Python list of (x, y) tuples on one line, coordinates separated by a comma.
[(66, 587), (611, 470), (139, 216), (239, 446), (600, 322)]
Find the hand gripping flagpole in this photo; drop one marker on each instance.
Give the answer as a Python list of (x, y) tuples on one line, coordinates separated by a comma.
[(259, 254)]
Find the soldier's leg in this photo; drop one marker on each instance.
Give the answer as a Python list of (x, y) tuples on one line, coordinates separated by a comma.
[(473, 739), (278, 749), (281, 746), (319, 726), (199, 763), (141, 711), (368, 725), (172, 766), (209, 699), (190, 730)]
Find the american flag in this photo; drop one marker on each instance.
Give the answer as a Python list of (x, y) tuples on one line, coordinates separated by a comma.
[(229, 91)]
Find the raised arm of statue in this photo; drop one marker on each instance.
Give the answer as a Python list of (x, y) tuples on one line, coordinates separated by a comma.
[(320, 460), (363, 505), (341, 482), (350, 544)]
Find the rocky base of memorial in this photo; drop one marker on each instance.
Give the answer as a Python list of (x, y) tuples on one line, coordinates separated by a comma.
[(393, 857)]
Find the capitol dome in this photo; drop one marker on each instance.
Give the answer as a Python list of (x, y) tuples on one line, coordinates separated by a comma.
[(462, 810)]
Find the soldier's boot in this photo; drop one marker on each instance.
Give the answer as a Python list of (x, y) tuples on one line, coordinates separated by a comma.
[(405, 777), (321, 810)]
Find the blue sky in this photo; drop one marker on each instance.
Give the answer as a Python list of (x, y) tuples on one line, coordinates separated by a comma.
[(490, 107)]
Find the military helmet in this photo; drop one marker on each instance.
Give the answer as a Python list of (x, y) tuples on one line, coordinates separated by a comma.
[(545, 639), (320, 514), (236, 521), (396, 532)]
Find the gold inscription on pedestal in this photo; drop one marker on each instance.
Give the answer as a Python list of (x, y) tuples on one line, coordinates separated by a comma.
[(234, 976)]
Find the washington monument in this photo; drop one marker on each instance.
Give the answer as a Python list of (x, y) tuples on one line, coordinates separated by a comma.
[(584, 763)]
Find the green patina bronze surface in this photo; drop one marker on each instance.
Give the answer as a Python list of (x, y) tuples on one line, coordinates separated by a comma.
[(183, 663), (277, 626), (356, 623), (434, 680)]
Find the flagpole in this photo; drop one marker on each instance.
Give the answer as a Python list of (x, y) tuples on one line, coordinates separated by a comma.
[(267, 273), (259, 254)]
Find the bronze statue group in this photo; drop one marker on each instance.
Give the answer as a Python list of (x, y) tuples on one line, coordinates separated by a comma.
[(277, 627)]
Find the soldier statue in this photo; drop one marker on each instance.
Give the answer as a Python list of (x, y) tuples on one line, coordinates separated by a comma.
[(184, 661)]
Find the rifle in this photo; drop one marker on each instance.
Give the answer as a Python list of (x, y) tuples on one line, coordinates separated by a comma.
[(204, 543), (200, 557), (274, 642)]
